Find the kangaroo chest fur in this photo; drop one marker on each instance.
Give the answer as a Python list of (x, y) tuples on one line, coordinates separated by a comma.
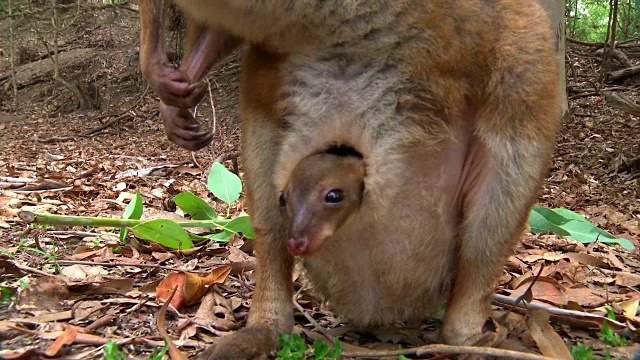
[(364, 270)]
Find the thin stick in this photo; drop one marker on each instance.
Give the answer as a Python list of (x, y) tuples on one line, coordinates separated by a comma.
[(108, 264), (213, 108), (450, 349), (313, 322)]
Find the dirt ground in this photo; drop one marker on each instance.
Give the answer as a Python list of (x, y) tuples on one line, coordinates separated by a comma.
[(76, 156)]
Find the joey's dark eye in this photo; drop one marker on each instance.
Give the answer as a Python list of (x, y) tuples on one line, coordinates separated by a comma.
[(283, 201), (334, 196)]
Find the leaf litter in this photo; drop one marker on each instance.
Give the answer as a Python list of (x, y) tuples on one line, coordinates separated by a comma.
[(110, 291)]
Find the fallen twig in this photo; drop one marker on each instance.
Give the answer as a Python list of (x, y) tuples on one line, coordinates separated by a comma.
[(313, 322), (53, 219), (559, 315), (451, 350), (174, 352), (114, 264)]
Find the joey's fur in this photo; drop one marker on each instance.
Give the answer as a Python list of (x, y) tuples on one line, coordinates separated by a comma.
[(324, 192), (453, 106)]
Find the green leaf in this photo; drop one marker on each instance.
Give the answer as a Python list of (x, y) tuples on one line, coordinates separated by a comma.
[(585, 232), (196, 207), (224, 184), (336, 352), (164, 232), (197, 237), (569, 224), (111, 351), (621, 241), (158, 354), (543, 220), (221, 237), (241, 224), (134, 207), (132, 211), (568, 214), (292, 347), (604, 237), (320, 349), (580, 352)]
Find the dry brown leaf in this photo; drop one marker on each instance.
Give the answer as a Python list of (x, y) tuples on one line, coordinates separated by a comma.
[(51, 317), (236, 255), (97, 284), (586, 259), (543, 291), (191, 287), (525, 280), (215, 310), (9, 267), (615, 262), (629, 308), (44, 294), (79, 273), (627, 279), (548, 341), (85, 309), (82, 255), (184, 169), (162, 256), (631, 226), (67, 337), (586, 297)]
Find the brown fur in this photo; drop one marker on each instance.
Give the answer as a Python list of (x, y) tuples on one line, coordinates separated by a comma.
[(453, 106), (180, 89)]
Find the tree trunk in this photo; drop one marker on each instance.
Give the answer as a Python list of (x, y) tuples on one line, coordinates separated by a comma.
[(555, 9)]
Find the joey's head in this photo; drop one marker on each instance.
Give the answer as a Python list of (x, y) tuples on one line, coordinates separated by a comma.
[(324, 191)]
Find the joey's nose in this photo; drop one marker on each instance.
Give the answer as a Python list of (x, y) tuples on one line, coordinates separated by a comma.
[(298, 246)]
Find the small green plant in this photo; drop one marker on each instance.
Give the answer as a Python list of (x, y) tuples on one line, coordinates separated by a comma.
[(7, 295), (607, 335), (569, 224), (51, 256), (293, 347), (23, 284), (580, 352), (158, 354), (321, 350), (172, 234), (112, 352), (607, 355), (132, 211), (7, 253)]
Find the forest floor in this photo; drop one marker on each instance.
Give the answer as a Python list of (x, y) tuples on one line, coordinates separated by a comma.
[(68, 289)]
